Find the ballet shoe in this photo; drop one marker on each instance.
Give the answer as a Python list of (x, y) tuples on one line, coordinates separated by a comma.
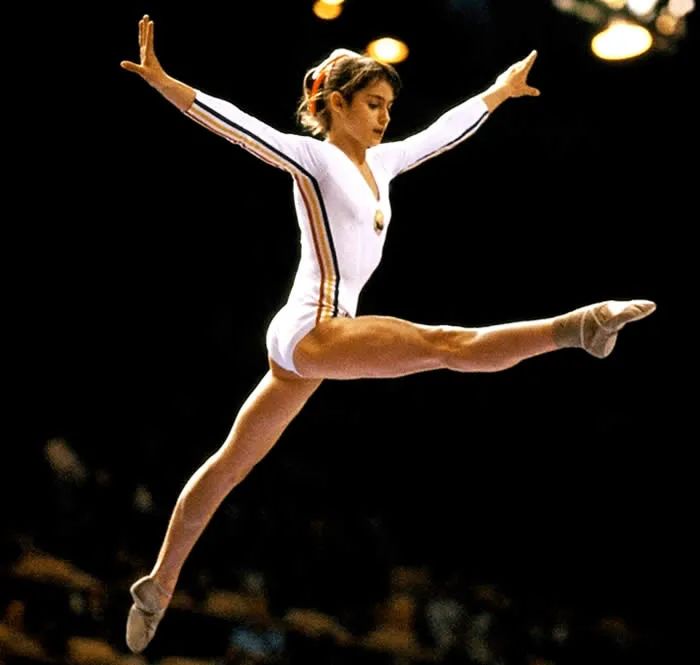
[(145, 613), (595, 328)]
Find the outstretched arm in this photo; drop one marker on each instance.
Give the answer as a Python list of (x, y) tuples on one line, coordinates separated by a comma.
[(150, 70), (511, 83), (459, 123), (289, 152)]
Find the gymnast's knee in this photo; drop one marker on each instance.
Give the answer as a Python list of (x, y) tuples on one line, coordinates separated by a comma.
[(446, 343)]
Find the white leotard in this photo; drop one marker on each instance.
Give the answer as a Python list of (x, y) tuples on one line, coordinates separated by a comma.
[(342, 224)]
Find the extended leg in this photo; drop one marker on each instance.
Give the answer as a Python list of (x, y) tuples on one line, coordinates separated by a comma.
[(259, 424), (384, 347)]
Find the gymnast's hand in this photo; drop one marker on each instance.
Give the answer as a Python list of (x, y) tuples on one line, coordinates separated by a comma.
[(149, 69), (514, 79)]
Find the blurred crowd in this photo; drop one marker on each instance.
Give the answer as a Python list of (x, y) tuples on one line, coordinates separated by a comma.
[(288, 586)]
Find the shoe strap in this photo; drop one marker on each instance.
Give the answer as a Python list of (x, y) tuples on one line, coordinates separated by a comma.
[(160, 589)]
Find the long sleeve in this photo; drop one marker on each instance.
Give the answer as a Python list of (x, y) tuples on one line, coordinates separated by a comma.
[(449, 130), (290, 152)]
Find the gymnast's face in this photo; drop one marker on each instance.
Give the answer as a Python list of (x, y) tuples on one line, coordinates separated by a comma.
[(366, 116)]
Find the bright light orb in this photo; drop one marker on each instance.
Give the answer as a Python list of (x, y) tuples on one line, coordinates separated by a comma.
[(388, 49), (621, 40)]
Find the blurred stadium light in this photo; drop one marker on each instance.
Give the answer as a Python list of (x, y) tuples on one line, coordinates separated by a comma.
[(626, 29)]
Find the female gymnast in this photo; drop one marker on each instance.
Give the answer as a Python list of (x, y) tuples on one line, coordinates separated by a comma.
[(341, 175)]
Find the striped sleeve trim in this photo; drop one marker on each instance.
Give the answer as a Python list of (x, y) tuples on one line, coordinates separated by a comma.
[(448, 146), (324, 247)]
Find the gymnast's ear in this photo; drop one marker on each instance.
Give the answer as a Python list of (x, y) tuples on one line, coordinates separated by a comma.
[(336, 102)]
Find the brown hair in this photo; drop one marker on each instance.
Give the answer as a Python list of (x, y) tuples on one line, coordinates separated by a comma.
[(348, 74)]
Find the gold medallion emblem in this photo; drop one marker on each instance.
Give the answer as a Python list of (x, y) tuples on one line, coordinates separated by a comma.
[(378, 221)]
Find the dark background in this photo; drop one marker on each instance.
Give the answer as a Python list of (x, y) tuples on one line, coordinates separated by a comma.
[(152, 255)]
